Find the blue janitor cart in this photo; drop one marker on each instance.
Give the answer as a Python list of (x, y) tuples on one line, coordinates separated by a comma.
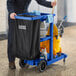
[(42, 63)]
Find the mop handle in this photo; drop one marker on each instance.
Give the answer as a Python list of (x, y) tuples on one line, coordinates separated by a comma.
[(53, 8)]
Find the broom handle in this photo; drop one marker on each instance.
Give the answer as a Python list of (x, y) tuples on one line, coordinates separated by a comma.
[(53, 8)]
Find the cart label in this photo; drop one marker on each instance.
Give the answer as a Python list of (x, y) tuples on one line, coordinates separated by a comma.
[(22, 27)]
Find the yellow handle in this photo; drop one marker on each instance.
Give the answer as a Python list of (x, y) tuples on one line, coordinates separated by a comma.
[(53, 8)]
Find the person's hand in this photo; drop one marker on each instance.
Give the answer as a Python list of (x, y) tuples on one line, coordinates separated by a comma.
[(53, 3), (12, 15)]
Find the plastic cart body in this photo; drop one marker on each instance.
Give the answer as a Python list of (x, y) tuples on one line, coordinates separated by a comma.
[(42, 63)]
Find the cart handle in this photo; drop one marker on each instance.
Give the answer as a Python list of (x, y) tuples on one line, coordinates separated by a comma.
[(24, 18), (65, 17), (42, 16)]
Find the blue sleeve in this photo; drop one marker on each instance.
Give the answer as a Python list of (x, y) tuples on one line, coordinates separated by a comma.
[(44, 3), (10, 6)]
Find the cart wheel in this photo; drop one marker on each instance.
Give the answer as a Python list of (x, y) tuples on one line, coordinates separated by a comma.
[(22, 64), (64, 61), (42, 66), (59, 54), (54, 57)]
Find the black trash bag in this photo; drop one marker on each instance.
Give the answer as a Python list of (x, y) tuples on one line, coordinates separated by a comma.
[(27, 39)]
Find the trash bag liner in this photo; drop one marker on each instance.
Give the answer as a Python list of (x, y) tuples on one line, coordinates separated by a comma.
[(27, 39)]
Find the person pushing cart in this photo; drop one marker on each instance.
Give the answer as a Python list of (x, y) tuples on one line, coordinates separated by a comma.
[(16, 7)]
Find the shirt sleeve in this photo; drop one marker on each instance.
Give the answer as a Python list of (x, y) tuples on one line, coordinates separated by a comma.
[(44, 3), (10, 6)]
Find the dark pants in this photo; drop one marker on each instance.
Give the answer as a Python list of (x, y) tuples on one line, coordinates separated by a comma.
[(11, 37), (11, 56)]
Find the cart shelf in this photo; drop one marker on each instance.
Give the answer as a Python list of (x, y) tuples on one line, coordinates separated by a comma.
[(45, 38)]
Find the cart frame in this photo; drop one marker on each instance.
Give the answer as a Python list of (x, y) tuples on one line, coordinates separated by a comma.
[(42, 17)]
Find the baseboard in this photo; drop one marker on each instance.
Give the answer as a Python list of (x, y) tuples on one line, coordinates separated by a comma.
[(3, 35), (66, 24)]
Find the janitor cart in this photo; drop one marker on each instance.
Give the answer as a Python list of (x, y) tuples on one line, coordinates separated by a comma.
[(42, 63)]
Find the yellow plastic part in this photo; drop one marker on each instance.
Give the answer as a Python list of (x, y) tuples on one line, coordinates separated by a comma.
[(46, 45), (56, 42), (56, 45), (55, 30)]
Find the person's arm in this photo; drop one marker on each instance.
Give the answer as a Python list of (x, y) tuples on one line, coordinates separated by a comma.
[(10, 6), (44, 3)]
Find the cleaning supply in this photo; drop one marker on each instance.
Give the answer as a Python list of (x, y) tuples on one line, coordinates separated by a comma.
[(44, 53), (56, 38), (56, 41), (36, 12), (49, 19), (43, 29)]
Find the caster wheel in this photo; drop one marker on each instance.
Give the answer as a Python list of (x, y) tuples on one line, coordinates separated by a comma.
[(22, 64), (59, 54), (64, 61), (54, 57), (42, 66)]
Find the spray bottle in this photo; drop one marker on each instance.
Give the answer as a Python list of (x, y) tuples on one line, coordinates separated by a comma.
[(44, 53)]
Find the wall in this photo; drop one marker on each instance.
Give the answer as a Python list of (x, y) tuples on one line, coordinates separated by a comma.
[(60, 9), (71, 10), (3, 16), (67, 8)]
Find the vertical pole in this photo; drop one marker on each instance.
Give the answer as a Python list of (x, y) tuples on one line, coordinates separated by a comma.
[(53, 8), (51, 41), (51, 34)]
